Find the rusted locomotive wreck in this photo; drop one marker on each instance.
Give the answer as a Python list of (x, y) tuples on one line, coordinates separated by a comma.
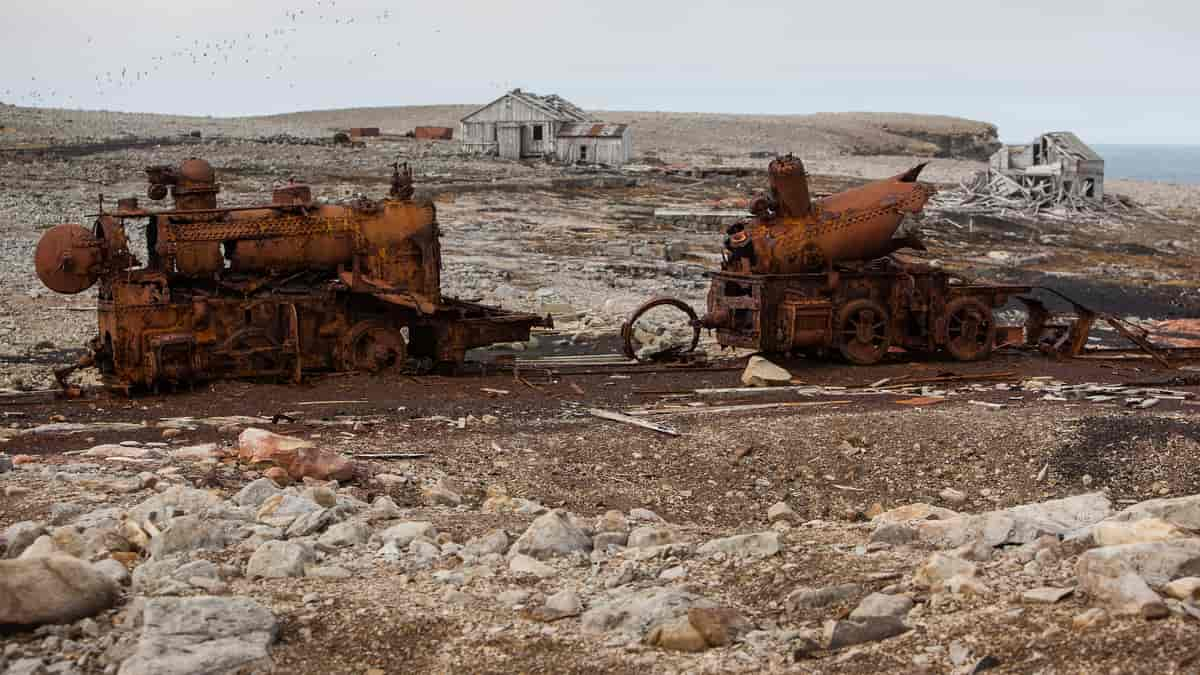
[(272, 290), (818, 275)]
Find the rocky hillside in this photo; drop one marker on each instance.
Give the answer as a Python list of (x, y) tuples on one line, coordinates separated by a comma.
[(668, 134)]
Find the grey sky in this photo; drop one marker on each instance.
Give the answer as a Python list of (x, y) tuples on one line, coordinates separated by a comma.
[(1115, 71)]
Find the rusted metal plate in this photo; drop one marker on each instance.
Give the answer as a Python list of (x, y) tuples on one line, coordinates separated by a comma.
[(268, 291)]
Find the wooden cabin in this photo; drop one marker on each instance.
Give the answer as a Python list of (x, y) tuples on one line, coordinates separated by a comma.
[(1058, 159), (593, 143), (521, 124)]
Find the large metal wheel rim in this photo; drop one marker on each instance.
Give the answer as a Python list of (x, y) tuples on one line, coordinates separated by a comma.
[(627, 337), (970, 329), (862, 332), (371, 347)]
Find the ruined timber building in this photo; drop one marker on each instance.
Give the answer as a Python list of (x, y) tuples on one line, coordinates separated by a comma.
[(520, 124), (1058, 160)]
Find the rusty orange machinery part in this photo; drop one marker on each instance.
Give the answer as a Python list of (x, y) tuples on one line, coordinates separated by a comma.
[(271, 290), (818, 276)]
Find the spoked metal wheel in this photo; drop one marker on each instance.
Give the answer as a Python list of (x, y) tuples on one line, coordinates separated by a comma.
[(371, 346), (970, 329), (862, 332), (253, 352), (637, 342)]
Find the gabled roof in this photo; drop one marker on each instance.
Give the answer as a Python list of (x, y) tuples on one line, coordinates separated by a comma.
[(557, 107), (592, 130), (1071, 144)]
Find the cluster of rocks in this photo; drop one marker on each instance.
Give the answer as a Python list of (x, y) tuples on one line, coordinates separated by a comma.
[(178, 579)]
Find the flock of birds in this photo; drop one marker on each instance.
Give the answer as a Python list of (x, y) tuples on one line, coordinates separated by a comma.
[(273, 53)]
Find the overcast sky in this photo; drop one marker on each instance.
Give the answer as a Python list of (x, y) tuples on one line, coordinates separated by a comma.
[(1115, 71)]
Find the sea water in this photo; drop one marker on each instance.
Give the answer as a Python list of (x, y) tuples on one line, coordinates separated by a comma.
[(1159, 163)]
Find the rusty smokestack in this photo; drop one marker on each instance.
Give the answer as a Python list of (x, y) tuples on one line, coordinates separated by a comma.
[(789, 187)]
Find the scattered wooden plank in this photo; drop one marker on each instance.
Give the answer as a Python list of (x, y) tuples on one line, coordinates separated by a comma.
[(740, 408), (922, 400), (1005, 375), (633, 421)]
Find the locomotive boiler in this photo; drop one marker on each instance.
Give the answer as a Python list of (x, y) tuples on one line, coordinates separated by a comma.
[(272, 290)]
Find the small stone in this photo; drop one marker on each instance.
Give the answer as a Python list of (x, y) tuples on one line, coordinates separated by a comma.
[(514, 596), (450, 577), (441, 494), (645, 515), (757, 545), (202, 634), (760, 372), (521, 564), (648, 536), (1092, 618), (1185, 588), (172, 433), (384, 508), (551, 535), (55, 589), (939, 568), (492, 542), (678, 635), (611, 521), (453, 596), (390, 480), (1145, 530), (880, 604), (563, 604), (719, 626), (844, 633), (279, 559), (807, 598), (349, 533), (113, 569), (952, 496), (673, 573), (780, 511), (403, 534), (603, 540)]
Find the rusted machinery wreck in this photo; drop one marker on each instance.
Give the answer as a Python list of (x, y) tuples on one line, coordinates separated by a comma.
[(272, 290), (818, 276)]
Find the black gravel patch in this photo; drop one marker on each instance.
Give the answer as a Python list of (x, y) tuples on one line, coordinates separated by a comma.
[(1131, 454)]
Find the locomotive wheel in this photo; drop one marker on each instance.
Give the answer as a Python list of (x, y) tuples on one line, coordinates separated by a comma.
[(372, 346), (629, 337), (862, 332), (970, 329), (253, 352)]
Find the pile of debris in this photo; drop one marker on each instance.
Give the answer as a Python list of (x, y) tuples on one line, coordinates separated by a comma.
[(992, 193)]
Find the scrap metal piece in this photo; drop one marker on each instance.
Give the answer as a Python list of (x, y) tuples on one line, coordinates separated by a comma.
[(67, 259), (628, 337)]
